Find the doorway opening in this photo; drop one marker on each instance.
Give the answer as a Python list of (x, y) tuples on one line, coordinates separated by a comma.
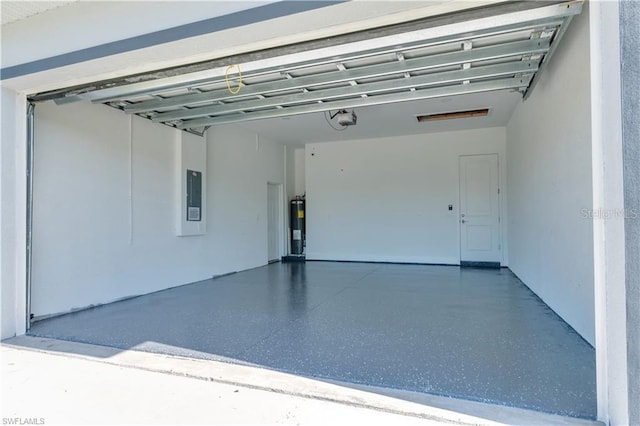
[(274, 221)]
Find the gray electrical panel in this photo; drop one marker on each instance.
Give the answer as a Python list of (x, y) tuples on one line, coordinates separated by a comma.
[(194, 196)]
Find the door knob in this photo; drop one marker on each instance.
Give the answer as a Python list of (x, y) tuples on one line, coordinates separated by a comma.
[(463, 221)]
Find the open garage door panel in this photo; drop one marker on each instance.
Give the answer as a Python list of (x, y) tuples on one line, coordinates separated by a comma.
[(484, 50)]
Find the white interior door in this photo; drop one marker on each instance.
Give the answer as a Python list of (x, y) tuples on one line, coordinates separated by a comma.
[(479, 209), (273, 221)]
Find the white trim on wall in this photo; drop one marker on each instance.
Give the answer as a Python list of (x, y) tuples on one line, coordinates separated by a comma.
[(608, 196)]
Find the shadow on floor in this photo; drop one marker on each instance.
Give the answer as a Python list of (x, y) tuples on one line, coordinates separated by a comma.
[(442, 410), (475, 334)]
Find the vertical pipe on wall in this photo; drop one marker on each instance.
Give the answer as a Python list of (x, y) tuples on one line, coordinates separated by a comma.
[(29, 217), (130, 179)]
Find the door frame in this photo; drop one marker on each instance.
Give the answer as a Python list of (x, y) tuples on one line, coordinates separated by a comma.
[(501, 211), (280, 219)]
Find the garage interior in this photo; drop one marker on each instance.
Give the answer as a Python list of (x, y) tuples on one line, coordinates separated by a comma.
[(382, 298)]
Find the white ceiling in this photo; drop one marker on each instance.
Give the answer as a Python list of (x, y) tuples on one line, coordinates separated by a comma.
[(12, 11), (390, 120)]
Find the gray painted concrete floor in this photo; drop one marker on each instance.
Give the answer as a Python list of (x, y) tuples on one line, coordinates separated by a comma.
[(467, 333)]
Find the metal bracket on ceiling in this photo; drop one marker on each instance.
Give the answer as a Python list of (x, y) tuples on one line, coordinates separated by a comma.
[(467, 45), (555, 40), (200, 133)]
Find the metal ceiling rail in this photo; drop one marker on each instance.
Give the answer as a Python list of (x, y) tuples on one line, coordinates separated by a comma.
[(484, 86)]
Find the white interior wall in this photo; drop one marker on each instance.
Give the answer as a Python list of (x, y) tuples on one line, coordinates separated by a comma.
[(291, 171), (549, 175), (387, 199), (94, 244), (240, 165), (300, 187)]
